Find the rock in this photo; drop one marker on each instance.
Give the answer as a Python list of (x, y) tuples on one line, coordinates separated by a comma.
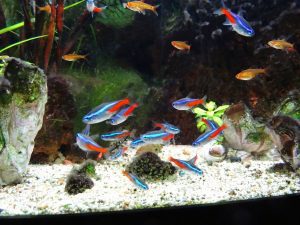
[(78, 183), (21, 115), (57, 129), (79, 179), (150, 167), (244, 133), (286, 135)]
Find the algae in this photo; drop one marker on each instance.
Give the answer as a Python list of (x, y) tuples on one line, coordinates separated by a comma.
[(26, 80), (109, 82), (115, 15)]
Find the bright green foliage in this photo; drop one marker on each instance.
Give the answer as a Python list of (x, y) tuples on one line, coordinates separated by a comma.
[(90, 169), (115, 15), (211, 112)]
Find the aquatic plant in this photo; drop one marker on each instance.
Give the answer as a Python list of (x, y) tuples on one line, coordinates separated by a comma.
[(21, 42), (111, 82), (211, 112), (115, 15), (150, 167)]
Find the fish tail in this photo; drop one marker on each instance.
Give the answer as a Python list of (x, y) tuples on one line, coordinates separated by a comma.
[(154, 9), (171, 159), (291, 49)]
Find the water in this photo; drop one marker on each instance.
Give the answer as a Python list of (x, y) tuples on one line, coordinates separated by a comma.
[(208, 92)]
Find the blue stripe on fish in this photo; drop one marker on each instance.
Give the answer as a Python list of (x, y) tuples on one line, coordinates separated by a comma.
[(138, 182), (203, 138), (137, 142)]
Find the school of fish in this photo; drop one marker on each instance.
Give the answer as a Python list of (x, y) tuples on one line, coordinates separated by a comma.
[(117, 112)]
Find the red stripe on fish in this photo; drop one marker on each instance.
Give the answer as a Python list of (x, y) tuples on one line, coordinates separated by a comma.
[(97, 10), (205, 121), (178, 163), (196, 102), (169, 137), (125, 134), (228, 15), (159, 125), (118, 105), (218, 131), (130, 109), (96, 149)]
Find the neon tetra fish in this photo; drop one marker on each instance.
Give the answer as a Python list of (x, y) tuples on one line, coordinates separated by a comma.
[(250, 74), (140, 7), (282, 45), (122, 116), (181, 45), (87, 144), (236, 21), (118, 153), (187, 165), (91, 7), (138, 142), (167, 127), (73, 57), (157, 137), (137, 181), (115, 135), (187, 103), (104, 111)]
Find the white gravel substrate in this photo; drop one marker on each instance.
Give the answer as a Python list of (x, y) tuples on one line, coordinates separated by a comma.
[(42, 191)]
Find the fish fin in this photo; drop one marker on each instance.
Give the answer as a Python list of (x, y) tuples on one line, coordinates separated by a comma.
[(193, 160), (227, 23), (157, 125), (99, 155), (86, 130), (154, 10), (124, 5), (218, 12), (143, 12)]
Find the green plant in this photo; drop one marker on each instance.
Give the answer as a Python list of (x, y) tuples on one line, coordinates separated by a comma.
[(21, 42), (211, 112), (21, 24)]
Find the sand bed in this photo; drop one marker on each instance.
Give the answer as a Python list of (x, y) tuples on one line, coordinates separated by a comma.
[(42, 191)]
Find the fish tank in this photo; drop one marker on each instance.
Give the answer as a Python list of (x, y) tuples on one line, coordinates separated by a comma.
[(119, 106)]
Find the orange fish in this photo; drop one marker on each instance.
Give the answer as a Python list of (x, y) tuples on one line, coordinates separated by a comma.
[(181, 45), (282, 45), (140, 7), (73, 57), (46, 8), (250, 74)]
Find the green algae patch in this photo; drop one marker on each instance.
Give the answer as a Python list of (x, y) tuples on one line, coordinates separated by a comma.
[(109, 82), (26, 80), (115, 15)]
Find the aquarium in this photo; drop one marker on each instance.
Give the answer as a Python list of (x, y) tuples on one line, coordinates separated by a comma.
[(119, 105)]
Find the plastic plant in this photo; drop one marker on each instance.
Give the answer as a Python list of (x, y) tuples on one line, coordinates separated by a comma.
[(211, 112)]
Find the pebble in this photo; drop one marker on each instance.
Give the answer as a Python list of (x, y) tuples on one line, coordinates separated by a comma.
[(42, 191)]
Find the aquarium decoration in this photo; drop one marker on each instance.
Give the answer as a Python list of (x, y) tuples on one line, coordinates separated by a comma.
[(211, 112), (103, 104), (150, 167)]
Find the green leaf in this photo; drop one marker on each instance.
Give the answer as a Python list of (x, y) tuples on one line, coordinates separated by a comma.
[(222, 108), (219, 114), (21, 24), (21, 42), (199, 111), (218, 120), (210, 106)]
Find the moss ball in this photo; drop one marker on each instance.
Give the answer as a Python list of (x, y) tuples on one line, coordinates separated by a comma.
[(150, 167), (78, 183)]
